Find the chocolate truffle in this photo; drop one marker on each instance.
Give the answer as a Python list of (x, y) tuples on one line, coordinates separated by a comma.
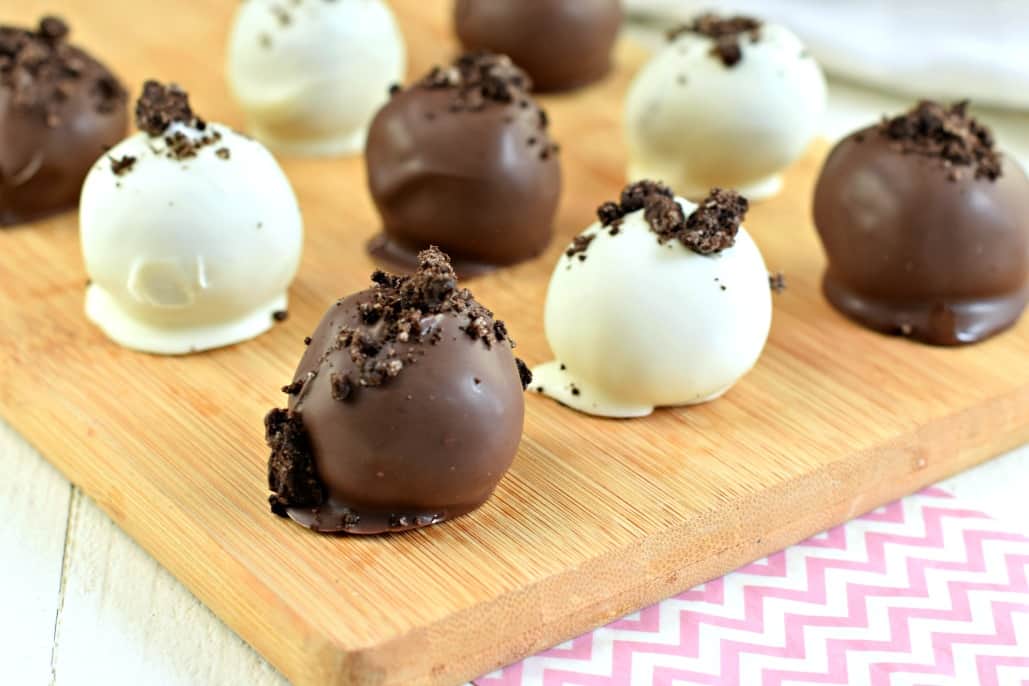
[(463, 160), (729, 101), (562, 44), (660, 302), (406, 409), (59, 109), (190, 232), (310, 74), (926, 227)]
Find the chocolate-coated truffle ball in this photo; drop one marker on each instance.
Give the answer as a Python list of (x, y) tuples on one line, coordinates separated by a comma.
[(463, 160), (406, 409), (59, 110), (563, 44), (926, 227)]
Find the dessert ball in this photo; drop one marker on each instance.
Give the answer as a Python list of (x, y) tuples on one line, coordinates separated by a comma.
[(190, 231), (926, 227), (728, 102), (59, 109), (463, 160), (310, 74), (406, 409), (660, 302), (562, 44)]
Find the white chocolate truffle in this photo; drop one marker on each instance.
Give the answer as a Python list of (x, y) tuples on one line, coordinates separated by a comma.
[(190, 237), (636, 323), (311, 74), (695, 119)]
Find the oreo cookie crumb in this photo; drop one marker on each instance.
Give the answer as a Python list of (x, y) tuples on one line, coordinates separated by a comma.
[(711, 228), (294, 388), (280, 315), (160, 106), (948, 134), (726, 32), (524, 373), (122, 165), (478, 80), (397, 317), (777, 282), (223, 153), (580, 244), (292, 478)]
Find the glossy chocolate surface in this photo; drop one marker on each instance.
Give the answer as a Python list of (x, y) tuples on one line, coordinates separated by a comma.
[(475, 174), (918, 250), (59, 110), (427, 443), (562, 44)]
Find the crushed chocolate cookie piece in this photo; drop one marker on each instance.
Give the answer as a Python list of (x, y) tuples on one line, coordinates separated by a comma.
[(580, 244), (160, 106), (524, 373), (664, 215), (294, 388), (478, 77), (709, 229), (53, 29), (777, 282), (948, 134), (713, 226), (726, 32), (291, 472), (633, 198), (280, 315), (223, 153), (400, 311), (575, 390), (307, 340), (122, 165)]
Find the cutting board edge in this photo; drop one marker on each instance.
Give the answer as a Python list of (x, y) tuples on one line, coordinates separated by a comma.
[(310, 656)]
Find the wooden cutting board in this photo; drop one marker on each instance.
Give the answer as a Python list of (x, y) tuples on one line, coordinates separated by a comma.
[(596, 518)]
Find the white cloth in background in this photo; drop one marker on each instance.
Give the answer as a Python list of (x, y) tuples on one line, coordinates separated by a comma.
[(946, 49)]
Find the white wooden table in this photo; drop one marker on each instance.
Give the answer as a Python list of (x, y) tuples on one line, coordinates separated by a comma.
[(82, 604)]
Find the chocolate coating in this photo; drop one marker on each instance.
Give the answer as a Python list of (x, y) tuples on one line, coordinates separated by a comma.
[(918, 250), (421, 444), (463, 160), (562, 44), (59, 110)]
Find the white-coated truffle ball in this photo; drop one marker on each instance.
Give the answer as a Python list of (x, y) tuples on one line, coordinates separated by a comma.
[(191, 250), (695, 122), (311, 74), (636, 323)]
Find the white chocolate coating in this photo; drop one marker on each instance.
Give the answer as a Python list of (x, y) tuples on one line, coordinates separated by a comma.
[(191, 254), (310, 75), (694, 123), (637, 324)]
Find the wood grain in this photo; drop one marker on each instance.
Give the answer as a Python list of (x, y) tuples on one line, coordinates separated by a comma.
[(596, 517)]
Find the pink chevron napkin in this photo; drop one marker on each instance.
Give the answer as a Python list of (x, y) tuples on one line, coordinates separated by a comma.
[(922, 591)]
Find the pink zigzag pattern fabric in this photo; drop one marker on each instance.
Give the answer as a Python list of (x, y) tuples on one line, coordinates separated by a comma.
[(920, 592)]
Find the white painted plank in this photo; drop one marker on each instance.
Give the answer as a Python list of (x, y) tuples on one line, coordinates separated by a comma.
[(127, 621), (997, 487), (34, 510)]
